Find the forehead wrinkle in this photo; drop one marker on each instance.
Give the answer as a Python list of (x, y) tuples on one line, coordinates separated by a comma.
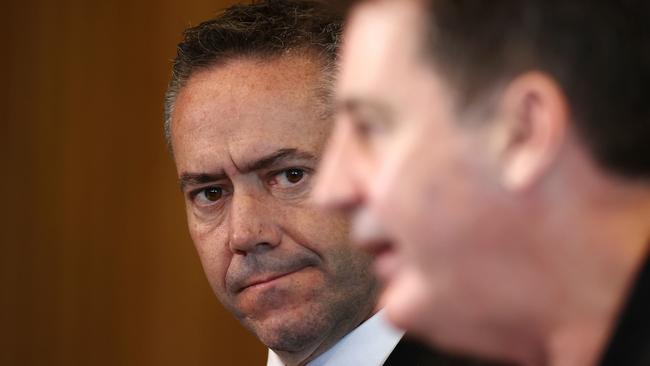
[(239, 88), (219, 140), (232, 160)]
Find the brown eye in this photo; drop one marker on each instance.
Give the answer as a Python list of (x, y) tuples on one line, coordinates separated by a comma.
[(213, 193), (294, 175)]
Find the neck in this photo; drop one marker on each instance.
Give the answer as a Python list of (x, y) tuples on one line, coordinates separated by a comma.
[(599, 255)]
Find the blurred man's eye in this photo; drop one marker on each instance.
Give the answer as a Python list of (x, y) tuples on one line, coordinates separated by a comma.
[(368, 119), (362, 128), (370, 126)]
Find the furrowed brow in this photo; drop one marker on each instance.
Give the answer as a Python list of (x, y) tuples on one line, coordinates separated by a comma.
[(355, 105), (193, 179), (188, 179), (278, 156)]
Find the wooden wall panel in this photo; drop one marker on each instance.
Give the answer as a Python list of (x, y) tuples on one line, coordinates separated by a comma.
[(96, 266)]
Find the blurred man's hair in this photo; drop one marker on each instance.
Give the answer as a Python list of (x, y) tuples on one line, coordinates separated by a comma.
[(598, 52), (263, 29)]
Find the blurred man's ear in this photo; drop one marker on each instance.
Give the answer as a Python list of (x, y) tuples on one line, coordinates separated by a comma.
[(532, 127)]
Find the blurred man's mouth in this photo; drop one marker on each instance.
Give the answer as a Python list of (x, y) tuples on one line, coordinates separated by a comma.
[(369, 235), (386, 261)]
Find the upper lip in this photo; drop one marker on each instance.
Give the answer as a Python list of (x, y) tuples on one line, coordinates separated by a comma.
[(368, 233), (378, 248), (266, 278), (374, 246)]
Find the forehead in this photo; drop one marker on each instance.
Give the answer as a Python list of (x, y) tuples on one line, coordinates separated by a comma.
[(382, 41), (247, 108)]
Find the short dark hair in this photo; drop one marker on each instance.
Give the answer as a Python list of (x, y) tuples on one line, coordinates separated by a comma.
[(597, 51), (269, 28)]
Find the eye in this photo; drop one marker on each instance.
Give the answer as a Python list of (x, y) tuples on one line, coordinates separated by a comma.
[(209, 195), (362, 128), (213, 193), (294, 175), (288, 177)]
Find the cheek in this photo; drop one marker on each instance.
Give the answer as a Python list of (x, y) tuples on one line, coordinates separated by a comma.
[(423, 194), (211, 244), (398, 189)]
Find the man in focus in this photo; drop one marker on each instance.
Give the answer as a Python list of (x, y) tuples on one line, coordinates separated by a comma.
[(247, 113)]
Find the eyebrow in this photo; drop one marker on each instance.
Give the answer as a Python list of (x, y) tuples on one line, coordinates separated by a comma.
[(195, 179), (190, 179), (356, 105)]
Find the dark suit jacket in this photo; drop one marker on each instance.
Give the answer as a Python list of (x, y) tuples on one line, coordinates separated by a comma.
[(412, 353), (630, 344)]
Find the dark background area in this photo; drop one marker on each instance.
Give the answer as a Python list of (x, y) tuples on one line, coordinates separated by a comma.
[(96, 265)]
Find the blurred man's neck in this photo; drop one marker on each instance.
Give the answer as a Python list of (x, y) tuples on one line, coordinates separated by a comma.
[(604, 241)]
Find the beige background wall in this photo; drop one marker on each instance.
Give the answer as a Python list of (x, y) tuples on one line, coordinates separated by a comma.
[(96, 266)]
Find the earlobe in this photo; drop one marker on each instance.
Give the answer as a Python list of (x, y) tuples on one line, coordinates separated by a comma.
[(532, 130)]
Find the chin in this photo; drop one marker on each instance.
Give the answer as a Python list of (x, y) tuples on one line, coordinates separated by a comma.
[(288, 331)]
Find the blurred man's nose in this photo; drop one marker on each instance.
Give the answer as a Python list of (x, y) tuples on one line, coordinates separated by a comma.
[(252, 224), (337, 185)]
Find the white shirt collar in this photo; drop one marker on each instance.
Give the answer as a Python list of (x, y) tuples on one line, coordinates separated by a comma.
[(369, 344)]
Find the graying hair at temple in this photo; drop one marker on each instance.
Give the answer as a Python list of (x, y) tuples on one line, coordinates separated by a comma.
[(264, 29)]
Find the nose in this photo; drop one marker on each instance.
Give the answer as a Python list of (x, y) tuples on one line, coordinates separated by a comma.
[(338, 184), (252, 224)]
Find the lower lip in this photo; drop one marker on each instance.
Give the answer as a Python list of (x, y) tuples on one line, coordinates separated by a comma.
[(386, 264)]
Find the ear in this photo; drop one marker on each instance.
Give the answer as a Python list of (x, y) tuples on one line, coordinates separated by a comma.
[(533, 121)]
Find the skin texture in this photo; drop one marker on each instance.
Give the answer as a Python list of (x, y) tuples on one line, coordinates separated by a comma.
[(494, 230), (247, 136)]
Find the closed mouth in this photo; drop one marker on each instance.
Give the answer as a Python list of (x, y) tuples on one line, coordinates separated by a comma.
[(376, 247), (267, 279), (386, 263)]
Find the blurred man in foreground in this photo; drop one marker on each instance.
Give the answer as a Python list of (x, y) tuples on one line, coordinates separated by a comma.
[(248, 111), (502, 148)]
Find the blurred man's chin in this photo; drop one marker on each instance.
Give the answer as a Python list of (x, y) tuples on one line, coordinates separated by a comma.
[(406, 300), (412, 302)]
